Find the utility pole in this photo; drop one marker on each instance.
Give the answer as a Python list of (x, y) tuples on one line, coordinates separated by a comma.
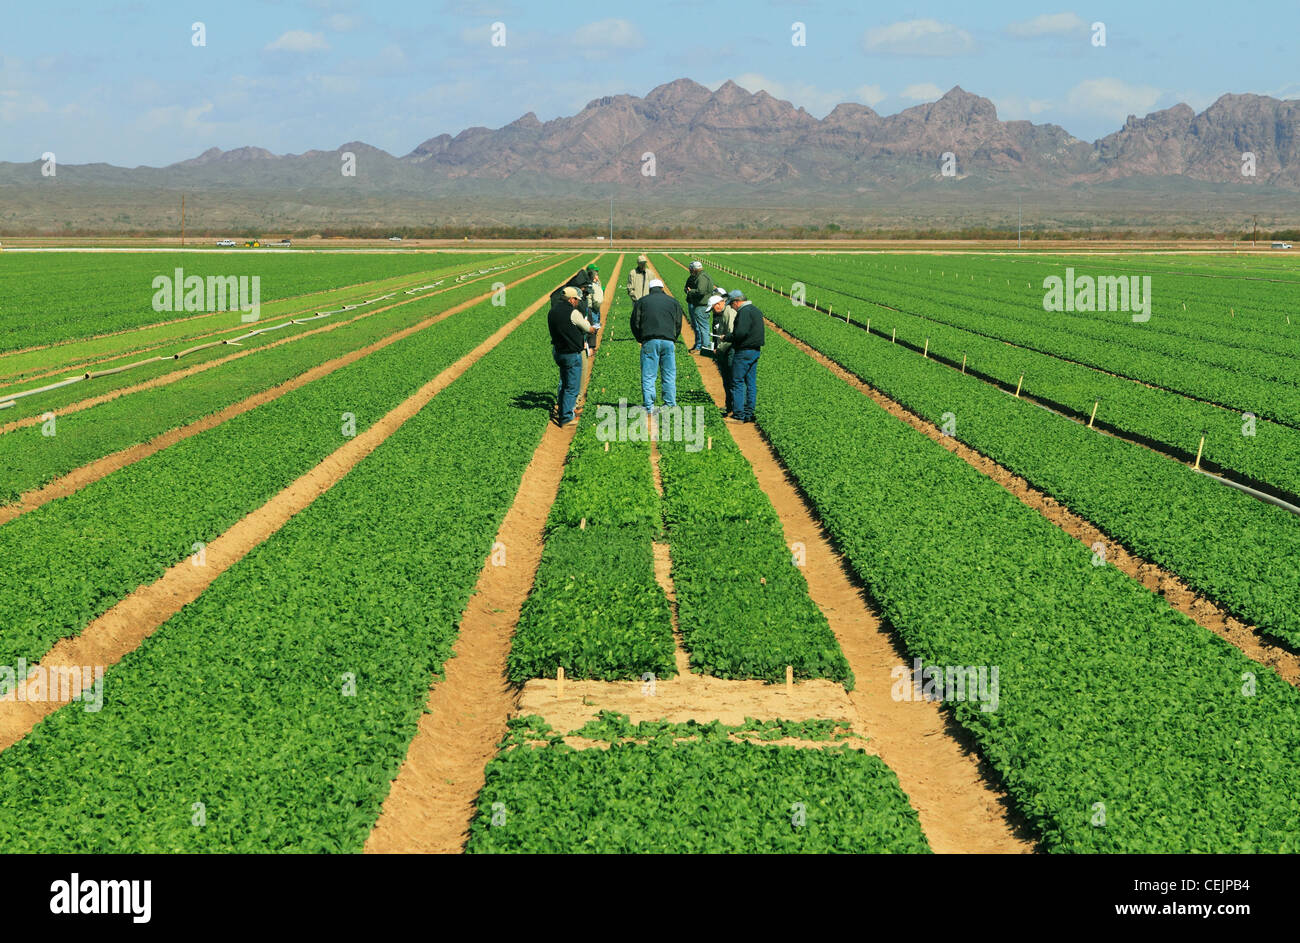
[(1255, 237), (1019, 215), (182, 220), (611, 220)]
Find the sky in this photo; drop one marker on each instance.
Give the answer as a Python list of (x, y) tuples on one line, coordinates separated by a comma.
[(129, 83)]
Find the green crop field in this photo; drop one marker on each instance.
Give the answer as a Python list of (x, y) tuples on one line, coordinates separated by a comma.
[(1009, 559)]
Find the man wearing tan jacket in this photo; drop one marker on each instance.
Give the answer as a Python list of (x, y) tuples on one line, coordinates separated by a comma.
[(638, 280)]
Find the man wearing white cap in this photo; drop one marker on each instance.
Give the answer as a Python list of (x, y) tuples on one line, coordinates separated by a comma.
[(698, 289), (638, 280), (723, 318), (656, 323)]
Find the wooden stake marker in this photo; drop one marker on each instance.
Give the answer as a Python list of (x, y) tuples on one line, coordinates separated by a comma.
[(710, 442), (559, 683), (963, 361), (1094, 412), (1018, 385), (789, 680), (893, 336), (582, 524), (606, 446), (1199, 449), (925, 354)]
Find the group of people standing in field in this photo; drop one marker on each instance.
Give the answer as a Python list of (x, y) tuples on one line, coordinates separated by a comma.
[(726, 325)]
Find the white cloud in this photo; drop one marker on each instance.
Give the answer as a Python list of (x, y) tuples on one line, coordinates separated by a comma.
[(1017, 108), (299, 40), (871, 95), (918, 38), (815, 100), (1048, 24), (607, 38), (923, 92), (1112, 98), (342, 22), (175, 117)]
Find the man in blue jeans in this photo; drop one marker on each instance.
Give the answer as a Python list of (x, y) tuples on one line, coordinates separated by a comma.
[(656, 324), (698, 289), (569, 330), (746, 340)]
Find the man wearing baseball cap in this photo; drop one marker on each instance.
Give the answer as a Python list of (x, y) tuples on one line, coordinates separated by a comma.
[(569, 330), (698, 289), (656, 323), (746, 339), (722, 319), (638, 280)]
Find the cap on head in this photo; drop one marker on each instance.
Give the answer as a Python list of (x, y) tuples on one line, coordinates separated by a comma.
[(655, 283), (697, 265), (642, 258), (592, 268), (572, 293), (716, 300), (737, 295)]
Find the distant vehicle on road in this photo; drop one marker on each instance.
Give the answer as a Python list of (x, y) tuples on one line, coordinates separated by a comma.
[(394, 238), (226, 243), (1281, 245)]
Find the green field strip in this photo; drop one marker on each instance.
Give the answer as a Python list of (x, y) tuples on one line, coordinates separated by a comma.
[(1166, 420), (742, 602), (1111, 706), (1234, 549), (70, 560), (238, 702), (65, 296), (167, 340), (595, 608), (29, 458), (689, 788), (1175, 368)]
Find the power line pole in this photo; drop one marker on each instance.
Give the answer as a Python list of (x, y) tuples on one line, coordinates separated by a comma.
[(611, 220), (1019, 215), (182, 220)]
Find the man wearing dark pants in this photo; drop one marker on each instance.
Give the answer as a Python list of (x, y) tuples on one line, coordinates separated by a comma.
[(656, 323), (568, 334), (746, 339), (721, 318), (698, 289)]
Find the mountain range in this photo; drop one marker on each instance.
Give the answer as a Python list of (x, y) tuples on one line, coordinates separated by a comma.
[(683, 144)]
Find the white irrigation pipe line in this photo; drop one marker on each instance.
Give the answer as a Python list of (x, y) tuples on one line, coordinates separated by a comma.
[(11, 398)]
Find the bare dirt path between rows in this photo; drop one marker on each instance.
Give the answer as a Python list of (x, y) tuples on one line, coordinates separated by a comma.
[(126, 625), (960, 808), (196, 317), (1201, 610), (1204, 612), (169, 378), (431, 803), (79, 478)]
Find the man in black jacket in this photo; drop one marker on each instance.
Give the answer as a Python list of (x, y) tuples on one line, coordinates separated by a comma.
[(698, 289), (656, 323), (746, 340), (568, 333)]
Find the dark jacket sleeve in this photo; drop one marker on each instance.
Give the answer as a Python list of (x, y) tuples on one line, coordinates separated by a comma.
[(634, 321), (678, 332)]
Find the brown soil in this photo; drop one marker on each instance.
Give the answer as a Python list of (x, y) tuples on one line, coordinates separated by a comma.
[(169, 378), (431, 803), (126, 625), (100, 468), (959, 808), (1200, 610)]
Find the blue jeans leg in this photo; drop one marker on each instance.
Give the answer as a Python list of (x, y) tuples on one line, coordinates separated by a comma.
[(649, 373), (566, 396), (744, 385), (668, 369), (701, 318)]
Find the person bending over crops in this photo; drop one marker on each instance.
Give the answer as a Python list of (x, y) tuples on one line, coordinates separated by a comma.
[(698, 289), (569, 330), (746, 339), (656, 324), (722, 318)]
